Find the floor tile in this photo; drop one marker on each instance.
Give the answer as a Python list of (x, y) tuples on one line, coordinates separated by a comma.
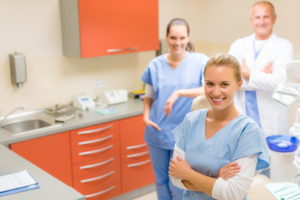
[(149, 196)]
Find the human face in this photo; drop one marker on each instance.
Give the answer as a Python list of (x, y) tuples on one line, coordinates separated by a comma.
[(220, 86), (262, 21), (178, 39)]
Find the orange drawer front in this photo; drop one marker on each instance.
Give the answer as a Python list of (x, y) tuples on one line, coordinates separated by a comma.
[(96, 165), (106, 149), (93, 142), (136, 174), (135, 152), (104, 192), (91, 131), (96, 180)]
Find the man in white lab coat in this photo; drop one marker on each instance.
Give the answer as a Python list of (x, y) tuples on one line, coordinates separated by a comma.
[(262, 56)]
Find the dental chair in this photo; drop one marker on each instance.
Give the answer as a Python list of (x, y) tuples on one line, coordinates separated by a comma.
[(257, 190), (200, 102)]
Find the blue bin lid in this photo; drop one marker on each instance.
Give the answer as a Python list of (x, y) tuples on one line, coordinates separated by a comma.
[(283, 143)]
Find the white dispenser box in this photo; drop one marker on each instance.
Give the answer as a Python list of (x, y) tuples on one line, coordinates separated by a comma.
[(113, 96), (17, 69), (83, 102)]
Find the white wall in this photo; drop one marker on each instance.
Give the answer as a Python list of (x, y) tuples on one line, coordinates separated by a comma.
[(33, 28), (224, 21)]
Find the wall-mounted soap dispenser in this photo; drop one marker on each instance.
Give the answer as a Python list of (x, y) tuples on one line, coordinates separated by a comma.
[(17, 69)]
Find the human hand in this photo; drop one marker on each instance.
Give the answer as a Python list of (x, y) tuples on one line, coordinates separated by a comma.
[(170, 102), (245, 71), (229, 170), (148, 122), (268, 69), (179, 168)]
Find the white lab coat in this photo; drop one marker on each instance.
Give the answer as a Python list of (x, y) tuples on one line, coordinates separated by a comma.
[(273, 115)]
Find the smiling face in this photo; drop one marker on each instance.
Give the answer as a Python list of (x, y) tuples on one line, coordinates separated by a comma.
[(178, 39), (221, 86), (262, 20)]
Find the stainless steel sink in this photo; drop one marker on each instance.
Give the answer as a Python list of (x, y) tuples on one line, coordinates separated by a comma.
[(25, 125)]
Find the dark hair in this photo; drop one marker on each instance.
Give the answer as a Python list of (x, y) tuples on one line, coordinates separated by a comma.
[(179, 21)]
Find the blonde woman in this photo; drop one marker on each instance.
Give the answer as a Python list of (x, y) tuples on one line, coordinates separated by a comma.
[(209, 139)]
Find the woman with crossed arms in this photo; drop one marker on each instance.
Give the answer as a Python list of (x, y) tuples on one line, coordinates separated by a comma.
[(209, 139)]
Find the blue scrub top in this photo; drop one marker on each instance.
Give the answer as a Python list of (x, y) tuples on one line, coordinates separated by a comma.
[(239, 138), (165, 81), (250, 97)]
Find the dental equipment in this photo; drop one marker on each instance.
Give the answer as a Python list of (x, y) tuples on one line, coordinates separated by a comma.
[(287, 94)]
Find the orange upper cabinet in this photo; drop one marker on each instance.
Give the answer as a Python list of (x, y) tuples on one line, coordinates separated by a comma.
[(94, 28)]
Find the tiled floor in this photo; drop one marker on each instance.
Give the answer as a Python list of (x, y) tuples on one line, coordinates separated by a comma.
[(149, 196)]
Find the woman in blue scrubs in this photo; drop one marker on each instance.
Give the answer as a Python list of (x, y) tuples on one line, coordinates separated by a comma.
[(179, 69), (208, 139)]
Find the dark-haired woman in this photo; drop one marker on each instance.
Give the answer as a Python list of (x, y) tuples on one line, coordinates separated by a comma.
[(165, 74)]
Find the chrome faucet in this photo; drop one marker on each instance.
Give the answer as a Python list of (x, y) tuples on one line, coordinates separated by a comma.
[(10, 114)]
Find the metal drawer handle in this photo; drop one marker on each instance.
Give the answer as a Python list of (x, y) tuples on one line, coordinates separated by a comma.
[(98, 193), (138, 154), (138, 164), (96, 130), (97, 164), (94, 141), (118, 50), (97, 178), (137, 146), (95, 151)]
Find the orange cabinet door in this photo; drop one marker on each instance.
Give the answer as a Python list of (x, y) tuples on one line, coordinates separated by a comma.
[(104, 192), (98, 179), (83, 144), (94, 152), (136, 166), (136, 174), (117, 26), (50, 153), (93, 132), (96, 165), (132, 138)]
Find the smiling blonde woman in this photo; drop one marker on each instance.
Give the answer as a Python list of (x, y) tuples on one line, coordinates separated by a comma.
[(209, 139)]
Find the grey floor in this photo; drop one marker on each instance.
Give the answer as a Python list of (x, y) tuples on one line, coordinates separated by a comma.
[(149, 196)]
